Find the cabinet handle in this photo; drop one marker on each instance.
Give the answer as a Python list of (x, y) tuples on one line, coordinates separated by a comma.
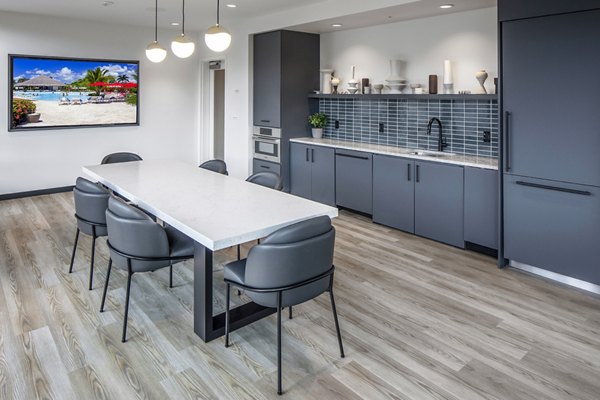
[(417, 173), (507, 116), (265, 120), (352, 156), (312, 155), (307, 150), (408, 171), (555, 188)]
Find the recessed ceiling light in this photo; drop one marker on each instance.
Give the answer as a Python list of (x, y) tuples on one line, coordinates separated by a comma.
[(336, 25), (231, 5), (174, 23), (108, 3), (447, 6)]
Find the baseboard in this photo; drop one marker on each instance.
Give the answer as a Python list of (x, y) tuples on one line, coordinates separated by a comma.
[(481, 249), (32, 193), (566, 280)]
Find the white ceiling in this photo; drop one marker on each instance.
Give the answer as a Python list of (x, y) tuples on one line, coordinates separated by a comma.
[(201, 13)]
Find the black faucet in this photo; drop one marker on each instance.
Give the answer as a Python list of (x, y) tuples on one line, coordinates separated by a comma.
[(441, 139)]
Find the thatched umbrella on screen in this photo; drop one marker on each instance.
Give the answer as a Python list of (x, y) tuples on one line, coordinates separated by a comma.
[(41, 81)]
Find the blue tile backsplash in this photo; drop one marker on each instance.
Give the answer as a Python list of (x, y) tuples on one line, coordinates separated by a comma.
[(405, 123)]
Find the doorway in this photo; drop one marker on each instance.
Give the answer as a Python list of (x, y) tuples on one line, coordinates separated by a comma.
[(218, 100)]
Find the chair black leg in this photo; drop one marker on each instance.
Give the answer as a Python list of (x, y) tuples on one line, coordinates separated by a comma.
[(106, 285), (279, 390), (171, 274), (227, 316), (92, 260), (130, 273), (290, 312), (337, 325), (238, 252), (74, 250)]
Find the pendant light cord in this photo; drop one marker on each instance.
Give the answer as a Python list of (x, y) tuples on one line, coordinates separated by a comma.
[(217, 12), (156, 21), (183, 19)]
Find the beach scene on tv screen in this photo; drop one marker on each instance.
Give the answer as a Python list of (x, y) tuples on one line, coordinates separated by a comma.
[(53, 93)]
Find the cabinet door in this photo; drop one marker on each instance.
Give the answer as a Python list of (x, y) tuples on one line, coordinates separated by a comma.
[(267, 79), (300, 170), (439, 202), (323, 175), (516, 9), (552, 229), (394, 192), (481, 207), (354, 180), (553, 127)]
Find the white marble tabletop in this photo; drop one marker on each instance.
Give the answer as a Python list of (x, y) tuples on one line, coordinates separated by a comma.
[(217, 211), (449, 158)]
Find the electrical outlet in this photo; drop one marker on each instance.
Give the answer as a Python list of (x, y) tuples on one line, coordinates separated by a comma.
[(337, 124), (487, 136), (381, 127)]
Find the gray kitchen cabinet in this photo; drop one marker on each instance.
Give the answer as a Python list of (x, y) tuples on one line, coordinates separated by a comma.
[(553, 225), (481, 207), (394, 192), (312, 172), (517, 9), (354, 180), (267, 79), (439, 202), (262, 166), (552, 131)]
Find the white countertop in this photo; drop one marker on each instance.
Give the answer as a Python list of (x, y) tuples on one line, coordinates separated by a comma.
[(466, 160), (217, 211)]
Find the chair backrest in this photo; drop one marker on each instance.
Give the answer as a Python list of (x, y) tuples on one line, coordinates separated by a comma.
[(292, 255), (266, 178), (216, 166), (91, 201), (131, 231), (120, 157)]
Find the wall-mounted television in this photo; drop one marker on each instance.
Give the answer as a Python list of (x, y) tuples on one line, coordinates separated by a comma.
[(58, 92)]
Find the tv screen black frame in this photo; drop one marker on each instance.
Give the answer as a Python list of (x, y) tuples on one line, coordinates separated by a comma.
[(101, 61)]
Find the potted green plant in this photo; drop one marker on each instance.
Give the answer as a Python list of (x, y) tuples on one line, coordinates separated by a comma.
[(317, 122)]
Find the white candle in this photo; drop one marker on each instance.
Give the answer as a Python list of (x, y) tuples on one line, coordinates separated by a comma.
[(447, 72)]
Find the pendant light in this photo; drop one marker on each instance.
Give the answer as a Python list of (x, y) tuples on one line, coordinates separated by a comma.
[(155, 52), (217, 38), (182, 46)]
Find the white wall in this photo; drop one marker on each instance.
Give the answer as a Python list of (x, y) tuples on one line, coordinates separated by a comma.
[(52, 158), (468, 39)]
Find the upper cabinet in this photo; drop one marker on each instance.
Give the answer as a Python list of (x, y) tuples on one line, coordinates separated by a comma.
[(518, 9), (551, 97), (286, 70)]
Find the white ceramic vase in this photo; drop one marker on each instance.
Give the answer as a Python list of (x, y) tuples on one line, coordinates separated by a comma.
[(481, 76), (326, 81), (317, 133)]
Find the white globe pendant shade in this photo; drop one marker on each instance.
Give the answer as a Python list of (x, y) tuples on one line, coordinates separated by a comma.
[(217, 38), (182, 46), (155, 52)]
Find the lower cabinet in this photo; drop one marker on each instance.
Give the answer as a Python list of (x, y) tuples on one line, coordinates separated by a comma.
[(439, 202), (419, 197), (262, 165), (312, 172), (481, 207), (354, 180), (553, 225)]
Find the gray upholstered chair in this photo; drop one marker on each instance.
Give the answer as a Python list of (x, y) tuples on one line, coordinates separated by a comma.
[(120, 157), (138, 244), (289, 267), (216, 166), (91, 201), (266, 178)]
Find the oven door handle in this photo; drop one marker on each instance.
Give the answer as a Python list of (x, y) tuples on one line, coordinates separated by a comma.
[(271, 139)]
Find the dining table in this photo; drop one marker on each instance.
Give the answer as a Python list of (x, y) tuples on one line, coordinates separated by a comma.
[(216, 211)]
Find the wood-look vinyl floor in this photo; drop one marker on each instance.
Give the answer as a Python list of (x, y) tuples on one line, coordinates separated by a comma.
[(420, 320)]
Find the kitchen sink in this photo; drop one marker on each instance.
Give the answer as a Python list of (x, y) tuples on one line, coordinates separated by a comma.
[(426, 153)]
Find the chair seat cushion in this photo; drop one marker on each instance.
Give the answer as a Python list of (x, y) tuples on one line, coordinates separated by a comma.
[(180, 244), (235, 271)]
